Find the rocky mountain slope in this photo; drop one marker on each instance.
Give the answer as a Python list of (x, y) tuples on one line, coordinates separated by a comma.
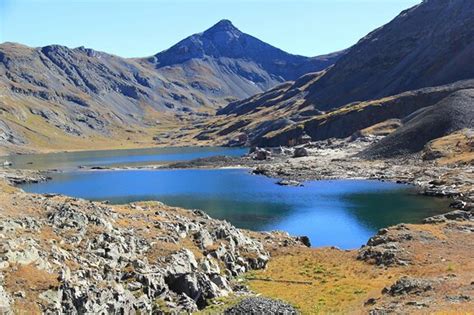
[(68, 95), (412, 62), (427, 45), (237, 64), (282, 117), (451, 114)]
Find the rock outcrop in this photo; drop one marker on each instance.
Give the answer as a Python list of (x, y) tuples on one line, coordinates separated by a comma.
[(260, 305), (384, 248), (94, 258), (407, 285)]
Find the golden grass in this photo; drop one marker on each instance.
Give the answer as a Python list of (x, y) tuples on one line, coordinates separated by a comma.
[(456, 148), (434, 230), (43, 137), (382, 129), (31, 280), (324, 280), (332, 280)]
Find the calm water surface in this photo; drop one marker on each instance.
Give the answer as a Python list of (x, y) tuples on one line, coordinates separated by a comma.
[(342, 213), (71, 160)]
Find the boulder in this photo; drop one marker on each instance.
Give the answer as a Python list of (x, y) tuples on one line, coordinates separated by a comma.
[(300, 152), (182, 262), (408, 285), (261, 305), (287, 182), (261, 154)]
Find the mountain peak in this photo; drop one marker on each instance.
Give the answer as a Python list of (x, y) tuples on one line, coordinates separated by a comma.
[(223, 26), (224, 40)]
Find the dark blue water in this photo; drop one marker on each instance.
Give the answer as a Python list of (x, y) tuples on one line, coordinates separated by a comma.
[(132, 157), (342, 213)]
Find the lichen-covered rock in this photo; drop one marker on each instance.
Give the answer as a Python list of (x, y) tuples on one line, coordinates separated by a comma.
[(408, 285), (456, 215), (141, 258), (5, 302), (384, 248), (382, 255), (260, 305)]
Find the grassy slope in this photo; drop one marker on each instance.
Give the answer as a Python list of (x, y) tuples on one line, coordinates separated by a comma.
[(336, 282), (456, 148), (339, 283), (42, 136)]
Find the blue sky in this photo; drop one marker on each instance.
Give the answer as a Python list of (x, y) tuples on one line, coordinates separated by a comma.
[(144, 27)]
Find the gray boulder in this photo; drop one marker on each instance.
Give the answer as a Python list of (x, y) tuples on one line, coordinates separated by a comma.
[(260, 305), (408, 285), (300, 152)]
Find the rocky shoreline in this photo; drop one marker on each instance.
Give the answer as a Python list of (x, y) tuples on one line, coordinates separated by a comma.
[(337, 159)]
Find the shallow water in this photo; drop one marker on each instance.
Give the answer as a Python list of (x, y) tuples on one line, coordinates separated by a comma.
[(131, 157), (343, 213)]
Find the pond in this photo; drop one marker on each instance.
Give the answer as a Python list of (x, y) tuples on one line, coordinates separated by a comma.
[(343, 213)]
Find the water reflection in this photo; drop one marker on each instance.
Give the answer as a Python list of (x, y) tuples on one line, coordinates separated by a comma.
[(341, 213)]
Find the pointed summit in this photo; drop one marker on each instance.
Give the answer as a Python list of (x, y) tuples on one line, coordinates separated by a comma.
[(252, 58), (223, 26), (223, 31)]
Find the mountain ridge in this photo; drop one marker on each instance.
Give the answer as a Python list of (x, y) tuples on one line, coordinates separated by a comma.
[(83, 92)]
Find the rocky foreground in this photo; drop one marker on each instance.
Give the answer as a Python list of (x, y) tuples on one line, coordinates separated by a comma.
[(66, 255)]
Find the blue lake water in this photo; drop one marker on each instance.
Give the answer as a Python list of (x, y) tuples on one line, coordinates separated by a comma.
[(132, 157), (343, 213)]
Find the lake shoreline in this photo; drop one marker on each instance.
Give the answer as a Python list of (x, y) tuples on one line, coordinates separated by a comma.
[(334, 159), (317, 165), (429, 178)]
